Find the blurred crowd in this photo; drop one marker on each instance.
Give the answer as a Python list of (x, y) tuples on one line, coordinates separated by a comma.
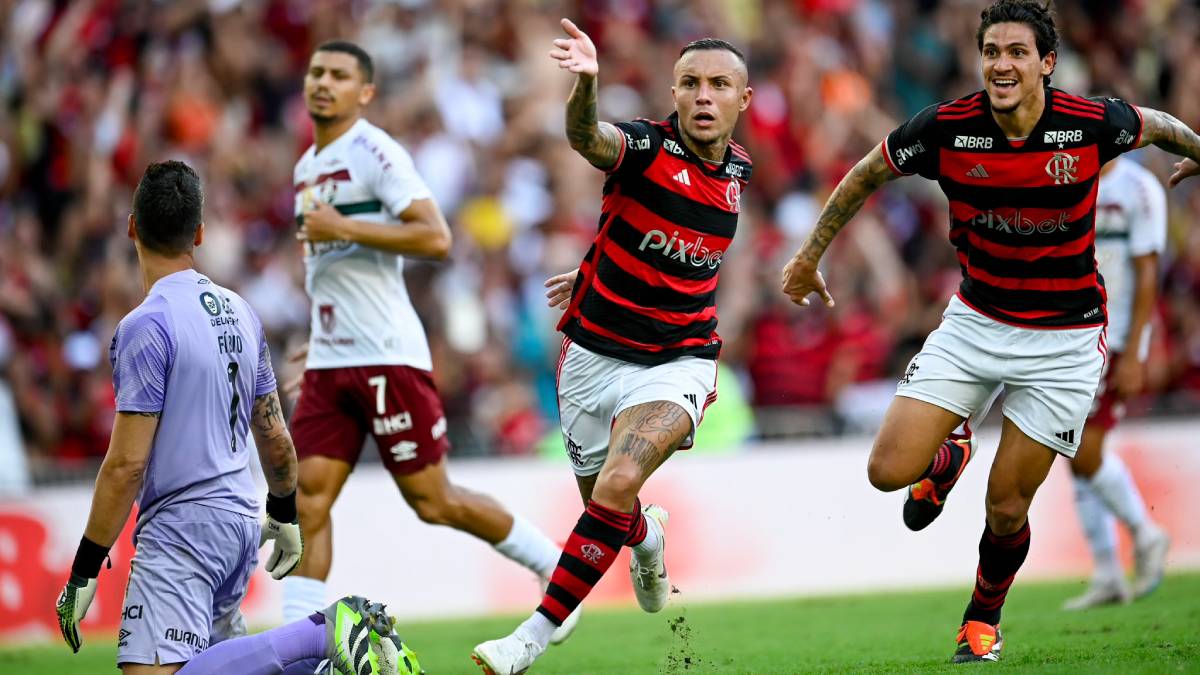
[(93, 90)]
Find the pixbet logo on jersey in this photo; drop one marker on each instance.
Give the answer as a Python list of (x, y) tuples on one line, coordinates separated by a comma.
[(1016, 223), (678, 248)]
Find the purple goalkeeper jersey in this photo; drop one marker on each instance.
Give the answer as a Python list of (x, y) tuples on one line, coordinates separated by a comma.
[(195, 353)]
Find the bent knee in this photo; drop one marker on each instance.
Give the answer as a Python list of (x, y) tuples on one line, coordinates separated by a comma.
[(886, 476), (1007, 515), (441, 510)]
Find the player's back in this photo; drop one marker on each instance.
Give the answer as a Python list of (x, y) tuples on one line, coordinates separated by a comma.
[(196, 352)]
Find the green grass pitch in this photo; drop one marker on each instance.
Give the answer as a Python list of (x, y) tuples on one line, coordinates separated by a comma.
[(876, 633)]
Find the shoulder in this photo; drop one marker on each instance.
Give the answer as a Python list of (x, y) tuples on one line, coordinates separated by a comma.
[(148, 322), (966, 107), (739, 154), (1070, 105), (375, 148)]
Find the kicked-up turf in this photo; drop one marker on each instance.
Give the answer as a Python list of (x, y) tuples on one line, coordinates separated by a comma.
[(869, 633)]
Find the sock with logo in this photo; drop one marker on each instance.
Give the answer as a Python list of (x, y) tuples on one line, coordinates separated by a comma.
[(946, 463), (263, 653), (302, 596), (1000, 556), (529, 547), (1100, 530), (587, 555)]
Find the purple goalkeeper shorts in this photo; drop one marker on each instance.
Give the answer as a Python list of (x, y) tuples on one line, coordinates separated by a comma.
[(186, 583)]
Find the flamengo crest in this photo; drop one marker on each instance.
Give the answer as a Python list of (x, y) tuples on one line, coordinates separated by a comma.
[(1061, 168), (592, 553)]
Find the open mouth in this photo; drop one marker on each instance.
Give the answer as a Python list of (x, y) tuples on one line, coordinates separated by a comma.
[(704, 118), (1003, 85)]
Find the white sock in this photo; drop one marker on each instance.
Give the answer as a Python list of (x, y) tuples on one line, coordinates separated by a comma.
[(649, 545), (1115, 487), (1100, 529), (530, 547), (537, 628), (301, 597)]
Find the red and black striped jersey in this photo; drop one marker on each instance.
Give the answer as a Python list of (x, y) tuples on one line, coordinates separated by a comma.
[(647, 289), (1022, 212)]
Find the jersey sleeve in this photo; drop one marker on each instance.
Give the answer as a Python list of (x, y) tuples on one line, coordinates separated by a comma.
[(912, 147), (264, 378), (397, 182), (642, 142), (142, 352), (1148, 231), (1121, 130)]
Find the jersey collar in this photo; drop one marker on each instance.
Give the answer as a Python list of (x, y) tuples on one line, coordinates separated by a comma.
[(1037, 128), (708, 167)]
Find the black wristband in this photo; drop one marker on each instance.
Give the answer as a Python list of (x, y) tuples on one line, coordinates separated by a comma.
[(282, 509), (88, 558)]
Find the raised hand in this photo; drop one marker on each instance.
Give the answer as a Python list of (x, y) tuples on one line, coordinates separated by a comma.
[(575, 53), (1187, 167)]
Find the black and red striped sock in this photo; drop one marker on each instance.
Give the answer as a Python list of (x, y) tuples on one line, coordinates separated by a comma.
[(637, 530), (587, 555), (945, 464), (999, 559)]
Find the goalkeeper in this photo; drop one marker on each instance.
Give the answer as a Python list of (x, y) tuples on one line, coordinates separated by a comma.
[(192, 376)]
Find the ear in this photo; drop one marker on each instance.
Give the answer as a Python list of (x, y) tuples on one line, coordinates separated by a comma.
[(1048, 63), (199, 235), (747, 93), (367, 94), (131, 229)]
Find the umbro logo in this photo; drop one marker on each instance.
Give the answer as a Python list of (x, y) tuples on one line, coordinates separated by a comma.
[(978, 172), (1066, 436), (682, 177)]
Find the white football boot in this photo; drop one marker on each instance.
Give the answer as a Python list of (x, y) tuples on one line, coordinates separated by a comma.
[(507, 656), (1150, 561), (650, 582), (1100, 592)]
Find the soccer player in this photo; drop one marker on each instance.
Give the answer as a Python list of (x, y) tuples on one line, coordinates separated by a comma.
[(638, 363), (192, 375), (1131, 231), (362, 208), (1019, 163)]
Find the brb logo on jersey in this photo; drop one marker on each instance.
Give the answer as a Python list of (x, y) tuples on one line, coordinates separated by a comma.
[(973, 142), (678, 248), (1073, 136), (1061, 168)]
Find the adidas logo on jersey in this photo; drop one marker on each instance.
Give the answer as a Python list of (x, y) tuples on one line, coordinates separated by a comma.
[(978, 172), (682, 177)]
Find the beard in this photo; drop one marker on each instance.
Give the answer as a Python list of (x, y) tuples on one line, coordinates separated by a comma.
[(320, 118)]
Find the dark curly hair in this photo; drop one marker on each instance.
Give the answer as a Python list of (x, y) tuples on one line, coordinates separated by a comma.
[(1034, 14)]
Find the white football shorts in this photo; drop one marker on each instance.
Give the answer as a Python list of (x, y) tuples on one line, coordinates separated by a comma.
[(1049, 376), (593, 389)]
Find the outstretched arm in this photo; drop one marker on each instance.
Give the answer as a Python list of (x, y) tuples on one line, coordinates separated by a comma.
[(598, 142), (1168, 133), (800, 276)]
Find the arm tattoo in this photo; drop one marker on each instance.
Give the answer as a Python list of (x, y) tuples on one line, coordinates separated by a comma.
[(138, 413), (598, 142), (849, 196), (274, 443), (654, 431), (1168, 133)]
